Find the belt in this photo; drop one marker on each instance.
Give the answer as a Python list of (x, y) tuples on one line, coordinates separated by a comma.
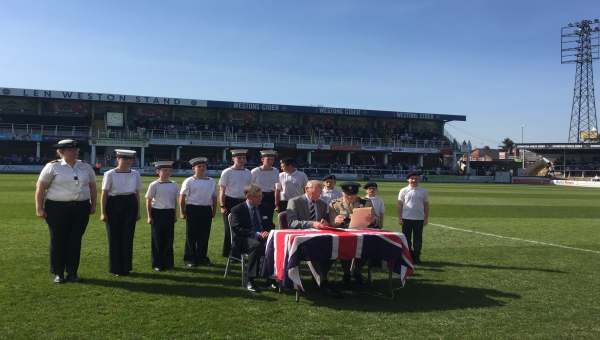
[(235, 198), (70, 202)]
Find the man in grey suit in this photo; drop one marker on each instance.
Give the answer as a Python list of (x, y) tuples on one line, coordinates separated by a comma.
[(308, 211)]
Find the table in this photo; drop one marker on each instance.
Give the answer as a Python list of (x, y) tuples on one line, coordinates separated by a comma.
[(286, 248)]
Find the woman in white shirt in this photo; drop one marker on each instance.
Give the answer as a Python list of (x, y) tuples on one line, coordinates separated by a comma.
[(66, 197), (120, 209)]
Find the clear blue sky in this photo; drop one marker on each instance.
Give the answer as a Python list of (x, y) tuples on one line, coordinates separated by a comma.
[(496, 62)]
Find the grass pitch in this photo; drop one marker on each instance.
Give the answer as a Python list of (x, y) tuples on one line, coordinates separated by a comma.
[(500, 261)]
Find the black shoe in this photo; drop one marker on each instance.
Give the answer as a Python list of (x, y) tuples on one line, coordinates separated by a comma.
[(359, 279), (271, 284), (73, 278), (205, 262), (59, 278), (330, 291), (190, 265), (251, 287), (346, 279), (417, 259), (157, 269)]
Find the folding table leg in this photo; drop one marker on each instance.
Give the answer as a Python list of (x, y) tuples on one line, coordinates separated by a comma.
[(391, 270)]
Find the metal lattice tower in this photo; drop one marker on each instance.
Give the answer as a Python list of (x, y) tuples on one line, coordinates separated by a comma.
[(580, 45)]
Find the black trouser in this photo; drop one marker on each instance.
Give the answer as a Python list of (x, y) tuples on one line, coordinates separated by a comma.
[(230, 202), (282, 206), (163, 230), (197, 233), (255, 250), (414, 229), (121, 212), (67, 222), (269, 199)]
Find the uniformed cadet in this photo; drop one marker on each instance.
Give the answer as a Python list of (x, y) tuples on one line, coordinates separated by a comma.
[(329, 191), (120, 209), (231, 191), (161, 200), (66, 197), (340, 213), (291, 184), (198, 206), (267, 177)]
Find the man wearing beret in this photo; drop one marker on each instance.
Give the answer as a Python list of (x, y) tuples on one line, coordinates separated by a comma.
[(340, 212), (413, 213)]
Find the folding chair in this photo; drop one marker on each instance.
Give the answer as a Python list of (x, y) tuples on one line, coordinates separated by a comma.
[(242, 258), (282, 220)]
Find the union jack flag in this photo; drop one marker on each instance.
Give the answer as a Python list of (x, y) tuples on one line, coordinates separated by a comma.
[(287, 248)]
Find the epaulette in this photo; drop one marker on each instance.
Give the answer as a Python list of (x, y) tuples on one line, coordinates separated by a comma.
[(54, 161), (84, 161)]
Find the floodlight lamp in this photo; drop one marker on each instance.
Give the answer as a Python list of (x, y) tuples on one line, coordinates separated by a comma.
[(570, 25), (597, 29), (577, 23), (596, 20)]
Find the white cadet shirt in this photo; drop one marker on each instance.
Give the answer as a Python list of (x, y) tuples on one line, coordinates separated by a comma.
[(265, 179), (63, 186), (330, 195), (291, 185), (413, 200), (163, 194), (121, 183), (199, 191), (234, 181), (378, 206)]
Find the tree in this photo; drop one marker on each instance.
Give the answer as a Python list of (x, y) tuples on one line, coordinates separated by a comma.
[(507, 145)]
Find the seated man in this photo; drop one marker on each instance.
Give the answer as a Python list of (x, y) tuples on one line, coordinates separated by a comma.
[(305, 212), (251, 225), (340, 212)]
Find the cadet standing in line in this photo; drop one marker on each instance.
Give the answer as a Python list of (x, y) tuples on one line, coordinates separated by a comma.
[(231, 191), (378, 205), (120, 209), (65, 196), (267, 177), (291, 184), (340, 213), (329, 191), (198, 206), (161, 200), (413, 214)]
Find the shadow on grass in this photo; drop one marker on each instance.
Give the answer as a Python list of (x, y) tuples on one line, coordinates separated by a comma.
[(200, 289), (417, 296), (438, 267)]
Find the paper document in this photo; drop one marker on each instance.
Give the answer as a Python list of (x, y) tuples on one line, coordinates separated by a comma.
[(358, 218)]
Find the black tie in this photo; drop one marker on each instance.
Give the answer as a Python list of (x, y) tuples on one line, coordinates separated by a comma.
[(255, 223), (313, 213)]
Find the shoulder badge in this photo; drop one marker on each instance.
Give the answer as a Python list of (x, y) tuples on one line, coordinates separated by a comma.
[(54, 161)]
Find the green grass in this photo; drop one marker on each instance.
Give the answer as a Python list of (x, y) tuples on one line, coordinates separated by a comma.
[(470, 286)]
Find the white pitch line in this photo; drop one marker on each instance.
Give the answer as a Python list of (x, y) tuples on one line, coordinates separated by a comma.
[(513, 238)]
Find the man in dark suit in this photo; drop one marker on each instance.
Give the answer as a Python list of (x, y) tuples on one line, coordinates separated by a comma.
[(308, 211), (251, 225)]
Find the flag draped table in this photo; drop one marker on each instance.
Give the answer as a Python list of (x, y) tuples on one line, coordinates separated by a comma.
[(286, 248)]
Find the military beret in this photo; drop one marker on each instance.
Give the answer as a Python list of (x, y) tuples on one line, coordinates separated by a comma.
[(412, 173), (370, 185), (329, 176)]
